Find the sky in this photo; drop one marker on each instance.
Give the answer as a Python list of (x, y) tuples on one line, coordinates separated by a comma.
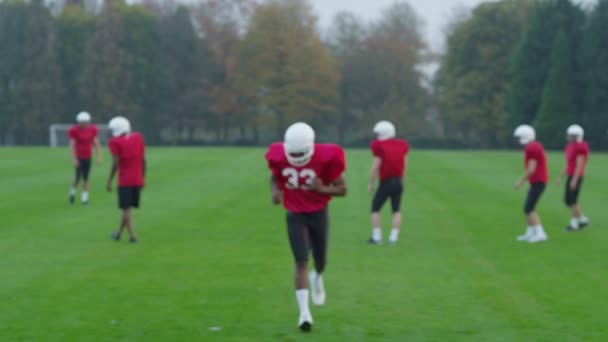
[(433, 12)]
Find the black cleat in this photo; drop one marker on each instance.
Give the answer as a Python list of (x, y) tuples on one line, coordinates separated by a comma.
[(571, 229), (133, 240), (116, 236), (306, 327), (71, 199), (583, 225), (371, 241)]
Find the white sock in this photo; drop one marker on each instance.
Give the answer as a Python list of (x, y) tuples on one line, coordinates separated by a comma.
[(574, 223), (539, 229), (302, 297), (583, 220), (530, 230), (85, 196), (377, 234), (72, 191), (394, 235)]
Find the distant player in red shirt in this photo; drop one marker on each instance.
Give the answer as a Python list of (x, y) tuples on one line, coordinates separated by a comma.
[(536, 173), (83, 137), (577, 155), (388, 166), (128, 153), (305, 176)]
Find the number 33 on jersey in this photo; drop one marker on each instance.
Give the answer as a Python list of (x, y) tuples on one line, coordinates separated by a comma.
[(328, 163)]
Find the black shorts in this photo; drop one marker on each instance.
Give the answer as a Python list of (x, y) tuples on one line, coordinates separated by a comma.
[(84, 169), (309, 231), (534, 193), (128, 197), (389, 188), (571, 196)]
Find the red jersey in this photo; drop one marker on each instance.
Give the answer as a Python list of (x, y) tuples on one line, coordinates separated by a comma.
[(535, 151), (573, 151), (83, 138), (393, 153), (328, 163), (130, 150)]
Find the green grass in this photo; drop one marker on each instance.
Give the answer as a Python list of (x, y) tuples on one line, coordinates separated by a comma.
[(214, 253)]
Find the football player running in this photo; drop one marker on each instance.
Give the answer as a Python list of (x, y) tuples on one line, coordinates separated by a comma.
[(388, 166), (536, 173), (304, 177), (83, 137), (577, 155), (128, 153)]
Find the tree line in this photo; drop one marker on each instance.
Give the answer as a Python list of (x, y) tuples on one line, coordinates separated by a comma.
[(515, 62), (240, 71)]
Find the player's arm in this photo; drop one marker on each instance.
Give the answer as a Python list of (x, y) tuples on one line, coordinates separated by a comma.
[(97, 148), (580, 165), (73, 151), (337, 188), (374, 173), (275, 190), (113, 171), (530, 169)]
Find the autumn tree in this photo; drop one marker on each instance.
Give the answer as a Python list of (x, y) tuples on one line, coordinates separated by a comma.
[(286, 69)]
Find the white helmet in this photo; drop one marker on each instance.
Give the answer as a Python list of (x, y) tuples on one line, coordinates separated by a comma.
[(119, 126), (385, 130), (83, 117), (577, 131), (525, 134), (299, 144)]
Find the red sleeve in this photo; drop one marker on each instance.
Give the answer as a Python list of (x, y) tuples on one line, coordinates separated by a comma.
[(95, 130), (114, 147), (72, 133), (273, 158), (337, 166), (582, 150), (376, 148)]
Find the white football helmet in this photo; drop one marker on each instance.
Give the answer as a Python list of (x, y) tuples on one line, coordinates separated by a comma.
[(576, 131), (299, 144), (83, 117), (119, 126), (385, 130), (525, 134)]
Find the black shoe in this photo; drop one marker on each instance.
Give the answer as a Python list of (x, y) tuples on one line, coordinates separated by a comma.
[(71, 199), (583, 225), (371, 241), (571, 229), (116, 236), (133, 240), (306, 327)]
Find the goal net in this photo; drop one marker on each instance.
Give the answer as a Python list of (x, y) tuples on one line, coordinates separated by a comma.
[(58, 134)]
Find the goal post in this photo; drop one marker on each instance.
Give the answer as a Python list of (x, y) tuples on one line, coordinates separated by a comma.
[(58, 134)]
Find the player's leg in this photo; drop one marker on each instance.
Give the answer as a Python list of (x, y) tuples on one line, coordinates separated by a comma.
[(535, 226), (85, 165), (135, 193), (578, 220), (377, 203), (77, 176), (299, 242), (319, 236), (396, 196)]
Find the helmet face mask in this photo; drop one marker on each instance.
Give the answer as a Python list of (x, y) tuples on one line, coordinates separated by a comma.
[(83, 119), (524, 134), (384, 130), (299, 144), (119, 126), (575, 133)]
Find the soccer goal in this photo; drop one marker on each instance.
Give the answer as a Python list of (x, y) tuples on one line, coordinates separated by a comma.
[(58, 134)]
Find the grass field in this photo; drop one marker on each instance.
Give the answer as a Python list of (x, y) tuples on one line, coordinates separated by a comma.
[(213, 252)]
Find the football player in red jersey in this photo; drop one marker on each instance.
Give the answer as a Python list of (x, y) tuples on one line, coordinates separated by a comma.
[(388, 166), (577, 155), (305, 176), (83, 137), (536, 173), (128, 153)]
